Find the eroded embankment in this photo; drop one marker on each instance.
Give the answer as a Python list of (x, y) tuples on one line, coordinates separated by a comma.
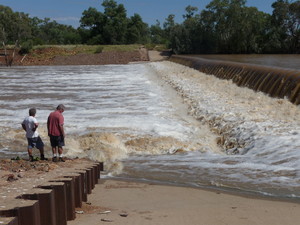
[(48, 194), (275, 82)]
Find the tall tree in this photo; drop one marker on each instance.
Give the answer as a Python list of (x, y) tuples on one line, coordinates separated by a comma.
[(233, 27), (91, 28), (284, 32), (157, 34), (114, 30), (13, 25), (294, 27), (190, 12), (137, 30), (112, 25), (278, 30), (226, 18), (193, 30), (255, 27), (183, 37), (168, 26)]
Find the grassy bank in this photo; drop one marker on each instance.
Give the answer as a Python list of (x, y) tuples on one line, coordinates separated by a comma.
[(91, 49)]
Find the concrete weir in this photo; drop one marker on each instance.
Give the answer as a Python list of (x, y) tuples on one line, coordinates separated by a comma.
[(276, 82), (51, 201)]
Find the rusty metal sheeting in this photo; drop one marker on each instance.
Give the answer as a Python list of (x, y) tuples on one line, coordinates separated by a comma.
[(54, 201), (276, 82)]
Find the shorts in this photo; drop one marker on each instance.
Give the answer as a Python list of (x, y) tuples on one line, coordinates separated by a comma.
[(35, 142), (57, 141)]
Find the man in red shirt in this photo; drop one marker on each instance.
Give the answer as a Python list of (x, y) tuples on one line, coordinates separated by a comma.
[(55, 125)]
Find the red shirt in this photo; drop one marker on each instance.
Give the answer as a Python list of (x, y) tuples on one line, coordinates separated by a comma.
[(54, 123)]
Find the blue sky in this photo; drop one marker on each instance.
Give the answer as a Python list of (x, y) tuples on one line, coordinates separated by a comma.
[(70, 11)]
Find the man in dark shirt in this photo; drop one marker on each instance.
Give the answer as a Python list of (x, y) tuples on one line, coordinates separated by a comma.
[(55, 125)]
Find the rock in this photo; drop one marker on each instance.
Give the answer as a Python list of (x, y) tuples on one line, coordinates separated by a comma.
[(11, 177)]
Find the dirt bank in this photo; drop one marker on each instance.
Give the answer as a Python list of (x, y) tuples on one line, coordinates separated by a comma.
[(61, 56), (58, 58), (15, 171)]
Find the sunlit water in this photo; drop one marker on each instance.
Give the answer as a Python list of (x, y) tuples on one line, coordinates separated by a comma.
[(160, 122)]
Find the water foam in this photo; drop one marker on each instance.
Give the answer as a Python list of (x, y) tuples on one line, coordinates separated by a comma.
[(262, 133), (122, 102)]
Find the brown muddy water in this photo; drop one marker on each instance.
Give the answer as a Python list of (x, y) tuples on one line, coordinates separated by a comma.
[(286, 61), (160, 122)]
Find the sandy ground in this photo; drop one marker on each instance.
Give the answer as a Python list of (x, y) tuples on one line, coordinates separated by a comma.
[(121, 202), (158, 56)]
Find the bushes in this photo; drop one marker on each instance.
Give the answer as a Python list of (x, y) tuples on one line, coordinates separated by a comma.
[(26, 47), (99, 49)]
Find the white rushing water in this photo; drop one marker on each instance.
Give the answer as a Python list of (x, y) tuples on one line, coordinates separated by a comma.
[(160, 122)]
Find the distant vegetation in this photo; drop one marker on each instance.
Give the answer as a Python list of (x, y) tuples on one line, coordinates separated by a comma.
[(224, 26)]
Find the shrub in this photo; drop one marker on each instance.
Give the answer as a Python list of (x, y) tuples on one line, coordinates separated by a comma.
[(26, 47), (99, 49)]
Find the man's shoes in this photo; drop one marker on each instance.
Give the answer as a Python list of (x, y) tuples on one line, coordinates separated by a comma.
[(61, 159), (43, 157), (55, 159), (33, 159)]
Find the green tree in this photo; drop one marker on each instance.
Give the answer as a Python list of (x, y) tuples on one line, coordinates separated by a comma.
[(168, 26), (137, 30), (51, 32), (255, 26), (157, 34), (208, 35), (190, 12), (114, 30), (37, 37), (91, 28), (294, 27), (14, 26), (232, 27), (180, 42), (112, 26), (284, 33), (226, 21), (277, 35), (192, 30)]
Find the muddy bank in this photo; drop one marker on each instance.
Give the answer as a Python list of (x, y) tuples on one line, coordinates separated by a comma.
[(59, 56)]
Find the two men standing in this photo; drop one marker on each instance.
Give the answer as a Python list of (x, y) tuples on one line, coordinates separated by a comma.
[(55, 127)]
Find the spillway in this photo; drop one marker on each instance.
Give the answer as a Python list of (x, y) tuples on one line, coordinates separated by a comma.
[(276, 82)]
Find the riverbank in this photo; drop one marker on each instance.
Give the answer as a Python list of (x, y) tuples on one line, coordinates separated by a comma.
[(85, 55), (123, 202)]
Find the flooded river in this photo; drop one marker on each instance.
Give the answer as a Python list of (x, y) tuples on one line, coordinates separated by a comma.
[(161, 122), (282, 61)]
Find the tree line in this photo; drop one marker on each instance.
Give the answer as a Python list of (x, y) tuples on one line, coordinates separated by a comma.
[(224, 26)]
